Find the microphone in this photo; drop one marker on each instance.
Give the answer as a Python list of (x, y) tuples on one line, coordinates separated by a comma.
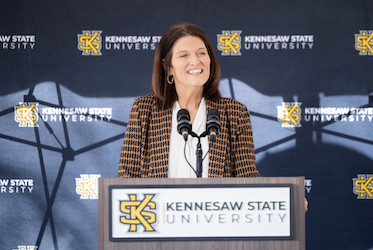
[(213, 123), (183, 123)]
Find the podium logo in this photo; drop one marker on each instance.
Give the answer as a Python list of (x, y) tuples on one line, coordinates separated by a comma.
[(364, 42), (136, 213), (229, 43), (26, 248), (26, 114), (363, 186), (289, 114), (87, 186), (90, 42)]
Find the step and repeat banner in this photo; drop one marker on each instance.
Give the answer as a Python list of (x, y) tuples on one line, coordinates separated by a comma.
[(71, 70)]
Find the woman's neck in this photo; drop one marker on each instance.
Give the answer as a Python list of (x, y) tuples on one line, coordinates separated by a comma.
[(190, 101)]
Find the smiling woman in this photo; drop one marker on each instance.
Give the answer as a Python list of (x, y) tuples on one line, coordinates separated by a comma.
[(178, 44), (186, 75)]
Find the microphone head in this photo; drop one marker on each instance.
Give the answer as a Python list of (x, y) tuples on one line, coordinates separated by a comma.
[(184, 127), (183, 114), (213, 123)]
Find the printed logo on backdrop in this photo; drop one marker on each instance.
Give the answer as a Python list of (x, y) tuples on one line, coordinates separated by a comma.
[(87, 186), (93, 43), (230, 42), (90, 43), (308, 185), (135, 212), (279, 42), (26, 248), (363, 186), (76, 114), (16, 186), (343, 114), (17, 42), (26, 114), (364, 42), (289, 113)]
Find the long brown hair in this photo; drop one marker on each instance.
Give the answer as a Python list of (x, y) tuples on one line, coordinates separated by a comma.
[(165, 92)]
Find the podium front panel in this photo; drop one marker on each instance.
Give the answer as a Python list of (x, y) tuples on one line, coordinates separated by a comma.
[(226, 213)]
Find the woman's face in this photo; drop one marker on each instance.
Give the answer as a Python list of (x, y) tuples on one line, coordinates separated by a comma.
[(190, 63)]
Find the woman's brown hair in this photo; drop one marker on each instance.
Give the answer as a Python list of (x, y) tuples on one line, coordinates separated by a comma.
[(165, 92)]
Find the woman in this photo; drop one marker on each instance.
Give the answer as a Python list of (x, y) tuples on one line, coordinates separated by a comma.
[(186, 75)]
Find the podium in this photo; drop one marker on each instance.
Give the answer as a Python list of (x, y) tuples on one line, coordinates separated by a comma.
[(204, 213)]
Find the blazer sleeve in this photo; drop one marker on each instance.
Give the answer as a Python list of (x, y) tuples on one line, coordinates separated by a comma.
[(243, 146), (130, 156)]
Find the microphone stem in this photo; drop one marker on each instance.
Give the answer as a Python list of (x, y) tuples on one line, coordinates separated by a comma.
[(199, 158), (199, 153)]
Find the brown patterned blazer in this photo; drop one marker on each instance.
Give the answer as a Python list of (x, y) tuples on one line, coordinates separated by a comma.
[(145, 150)]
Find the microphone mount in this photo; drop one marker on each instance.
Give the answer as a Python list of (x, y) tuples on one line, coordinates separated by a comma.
[(184, 128)]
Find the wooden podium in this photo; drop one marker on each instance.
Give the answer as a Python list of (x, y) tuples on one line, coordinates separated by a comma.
[(296, 241)]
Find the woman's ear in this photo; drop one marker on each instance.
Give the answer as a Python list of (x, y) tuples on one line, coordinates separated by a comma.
[(168, 70)]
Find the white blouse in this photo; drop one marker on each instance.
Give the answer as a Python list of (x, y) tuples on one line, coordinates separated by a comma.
[(177, 165)]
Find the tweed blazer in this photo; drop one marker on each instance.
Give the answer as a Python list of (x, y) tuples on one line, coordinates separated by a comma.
[(145, 151)]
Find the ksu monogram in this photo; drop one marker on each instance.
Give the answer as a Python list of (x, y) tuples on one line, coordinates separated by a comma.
[(364, 42), (135, 211), (363, 186), (26, 114), (289, 114), (229, 43), (26, 248), (90, 43), (87, 186)]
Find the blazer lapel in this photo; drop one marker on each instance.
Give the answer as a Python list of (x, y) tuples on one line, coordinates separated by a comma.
[(217, 149)]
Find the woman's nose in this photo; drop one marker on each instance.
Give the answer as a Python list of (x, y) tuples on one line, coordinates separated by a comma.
[(194, 59)]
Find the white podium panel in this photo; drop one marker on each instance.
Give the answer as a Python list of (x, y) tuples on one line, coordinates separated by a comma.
[(200, 212)]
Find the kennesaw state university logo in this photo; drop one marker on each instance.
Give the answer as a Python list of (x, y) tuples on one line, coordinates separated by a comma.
[(229, 43), (363, 186), (90, 42), (289, 114), (364, 42), (137, 212), (87, 186), (26, 114), (26, 248)]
